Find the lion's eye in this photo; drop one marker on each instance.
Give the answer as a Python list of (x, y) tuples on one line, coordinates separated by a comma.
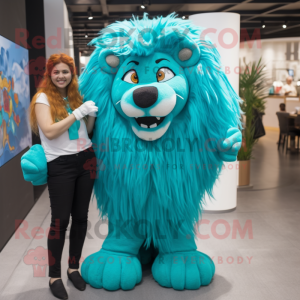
[(131, 77), (164, 74)]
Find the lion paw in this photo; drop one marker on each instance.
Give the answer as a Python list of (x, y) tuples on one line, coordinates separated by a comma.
[(183, 270), (111, 270)]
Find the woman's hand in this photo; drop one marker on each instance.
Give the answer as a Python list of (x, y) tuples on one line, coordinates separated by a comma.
[(86, 108)]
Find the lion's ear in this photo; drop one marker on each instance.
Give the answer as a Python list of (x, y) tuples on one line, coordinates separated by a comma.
[(109, 62), (187, 53)]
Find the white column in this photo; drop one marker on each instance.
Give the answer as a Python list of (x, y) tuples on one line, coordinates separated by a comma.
[(223, 29), (58, 31)]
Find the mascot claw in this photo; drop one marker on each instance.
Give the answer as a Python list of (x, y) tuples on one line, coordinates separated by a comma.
[(183, 270), (231, 145), (111, 270)]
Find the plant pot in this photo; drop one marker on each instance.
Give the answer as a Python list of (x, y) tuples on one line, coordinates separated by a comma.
[(244, 172)]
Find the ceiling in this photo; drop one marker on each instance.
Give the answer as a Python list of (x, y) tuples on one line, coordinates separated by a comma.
[(274, 13)]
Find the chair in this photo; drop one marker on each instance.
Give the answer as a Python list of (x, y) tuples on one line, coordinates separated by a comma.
[(284, 128), (297, 125), (297, 122)]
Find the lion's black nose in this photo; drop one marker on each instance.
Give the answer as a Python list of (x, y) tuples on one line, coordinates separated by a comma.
[(145, 96)]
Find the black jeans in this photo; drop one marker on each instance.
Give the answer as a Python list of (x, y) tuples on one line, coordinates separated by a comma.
[(70, 184)]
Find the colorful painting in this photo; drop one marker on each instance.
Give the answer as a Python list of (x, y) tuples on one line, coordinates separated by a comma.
[(15, 132)]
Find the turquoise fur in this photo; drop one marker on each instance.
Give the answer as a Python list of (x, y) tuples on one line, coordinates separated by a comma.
[(34, 165), (153, 191)]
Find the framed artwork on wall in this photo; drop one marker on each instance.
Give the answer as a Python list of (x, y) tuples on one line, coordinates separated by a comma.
[(15, 132)]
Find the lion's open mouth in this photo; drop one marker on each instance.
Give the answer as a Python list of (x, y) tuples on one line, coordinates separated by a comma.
[(149, 122)]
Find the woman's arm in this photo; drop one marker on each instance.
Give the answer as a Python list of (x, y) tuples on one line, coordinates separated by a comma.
[(90, 124), (51, 130)]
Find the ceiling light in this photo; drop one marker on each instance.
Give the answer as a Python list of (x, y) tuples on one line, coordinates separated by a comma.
[(284, 25), (145, 3), (263, 25), (90, 14), (183, 17), (85, 31)]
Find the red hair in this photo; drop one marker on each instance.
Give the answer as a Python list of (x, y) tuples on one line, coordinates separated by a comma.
[(57, 104)]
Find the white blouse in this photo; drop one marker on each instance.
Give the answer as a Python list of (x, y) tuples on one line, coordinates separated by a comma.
[(62, 145)]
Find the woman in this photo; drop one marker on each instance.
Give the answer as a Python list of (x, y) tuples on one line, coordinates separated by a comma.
[(59, 116)]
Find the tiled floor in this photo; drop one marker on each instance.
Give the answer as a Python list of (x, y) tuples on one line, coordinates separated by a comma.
[(265, 266)]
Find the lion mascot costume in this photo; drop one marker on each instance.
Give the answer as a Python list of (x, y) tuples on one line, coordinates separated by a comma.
[(168, 118)]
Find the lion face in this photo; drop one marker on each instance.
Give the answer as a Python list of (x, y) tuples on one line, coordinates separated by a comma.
[(149, 92)]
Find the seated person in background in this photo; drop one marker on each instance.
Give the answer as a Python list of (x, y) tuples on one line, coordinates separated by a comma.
[(288, 89), (282, 106), (292, 129)]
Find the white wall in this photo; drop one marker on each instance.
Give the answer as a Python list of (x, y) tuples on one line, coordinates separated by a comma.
[(84, 60), (57, 28), (273, 53), (69, 44)]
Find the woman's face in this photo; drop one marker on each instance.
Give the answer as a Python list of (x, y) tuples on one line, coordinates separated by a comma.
[(61, 75)]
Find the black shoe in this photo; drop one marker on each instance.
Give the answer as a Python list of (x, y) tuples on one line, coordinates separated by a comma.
[(77, 280), (58, 289)]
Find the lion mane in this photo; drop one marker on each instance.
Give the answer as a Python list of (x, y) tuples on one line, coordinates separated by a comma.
[(163, 181)]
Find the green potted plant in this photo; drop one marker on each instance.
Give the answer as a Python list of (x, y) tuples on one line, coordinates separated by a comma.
[(252, 90)]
